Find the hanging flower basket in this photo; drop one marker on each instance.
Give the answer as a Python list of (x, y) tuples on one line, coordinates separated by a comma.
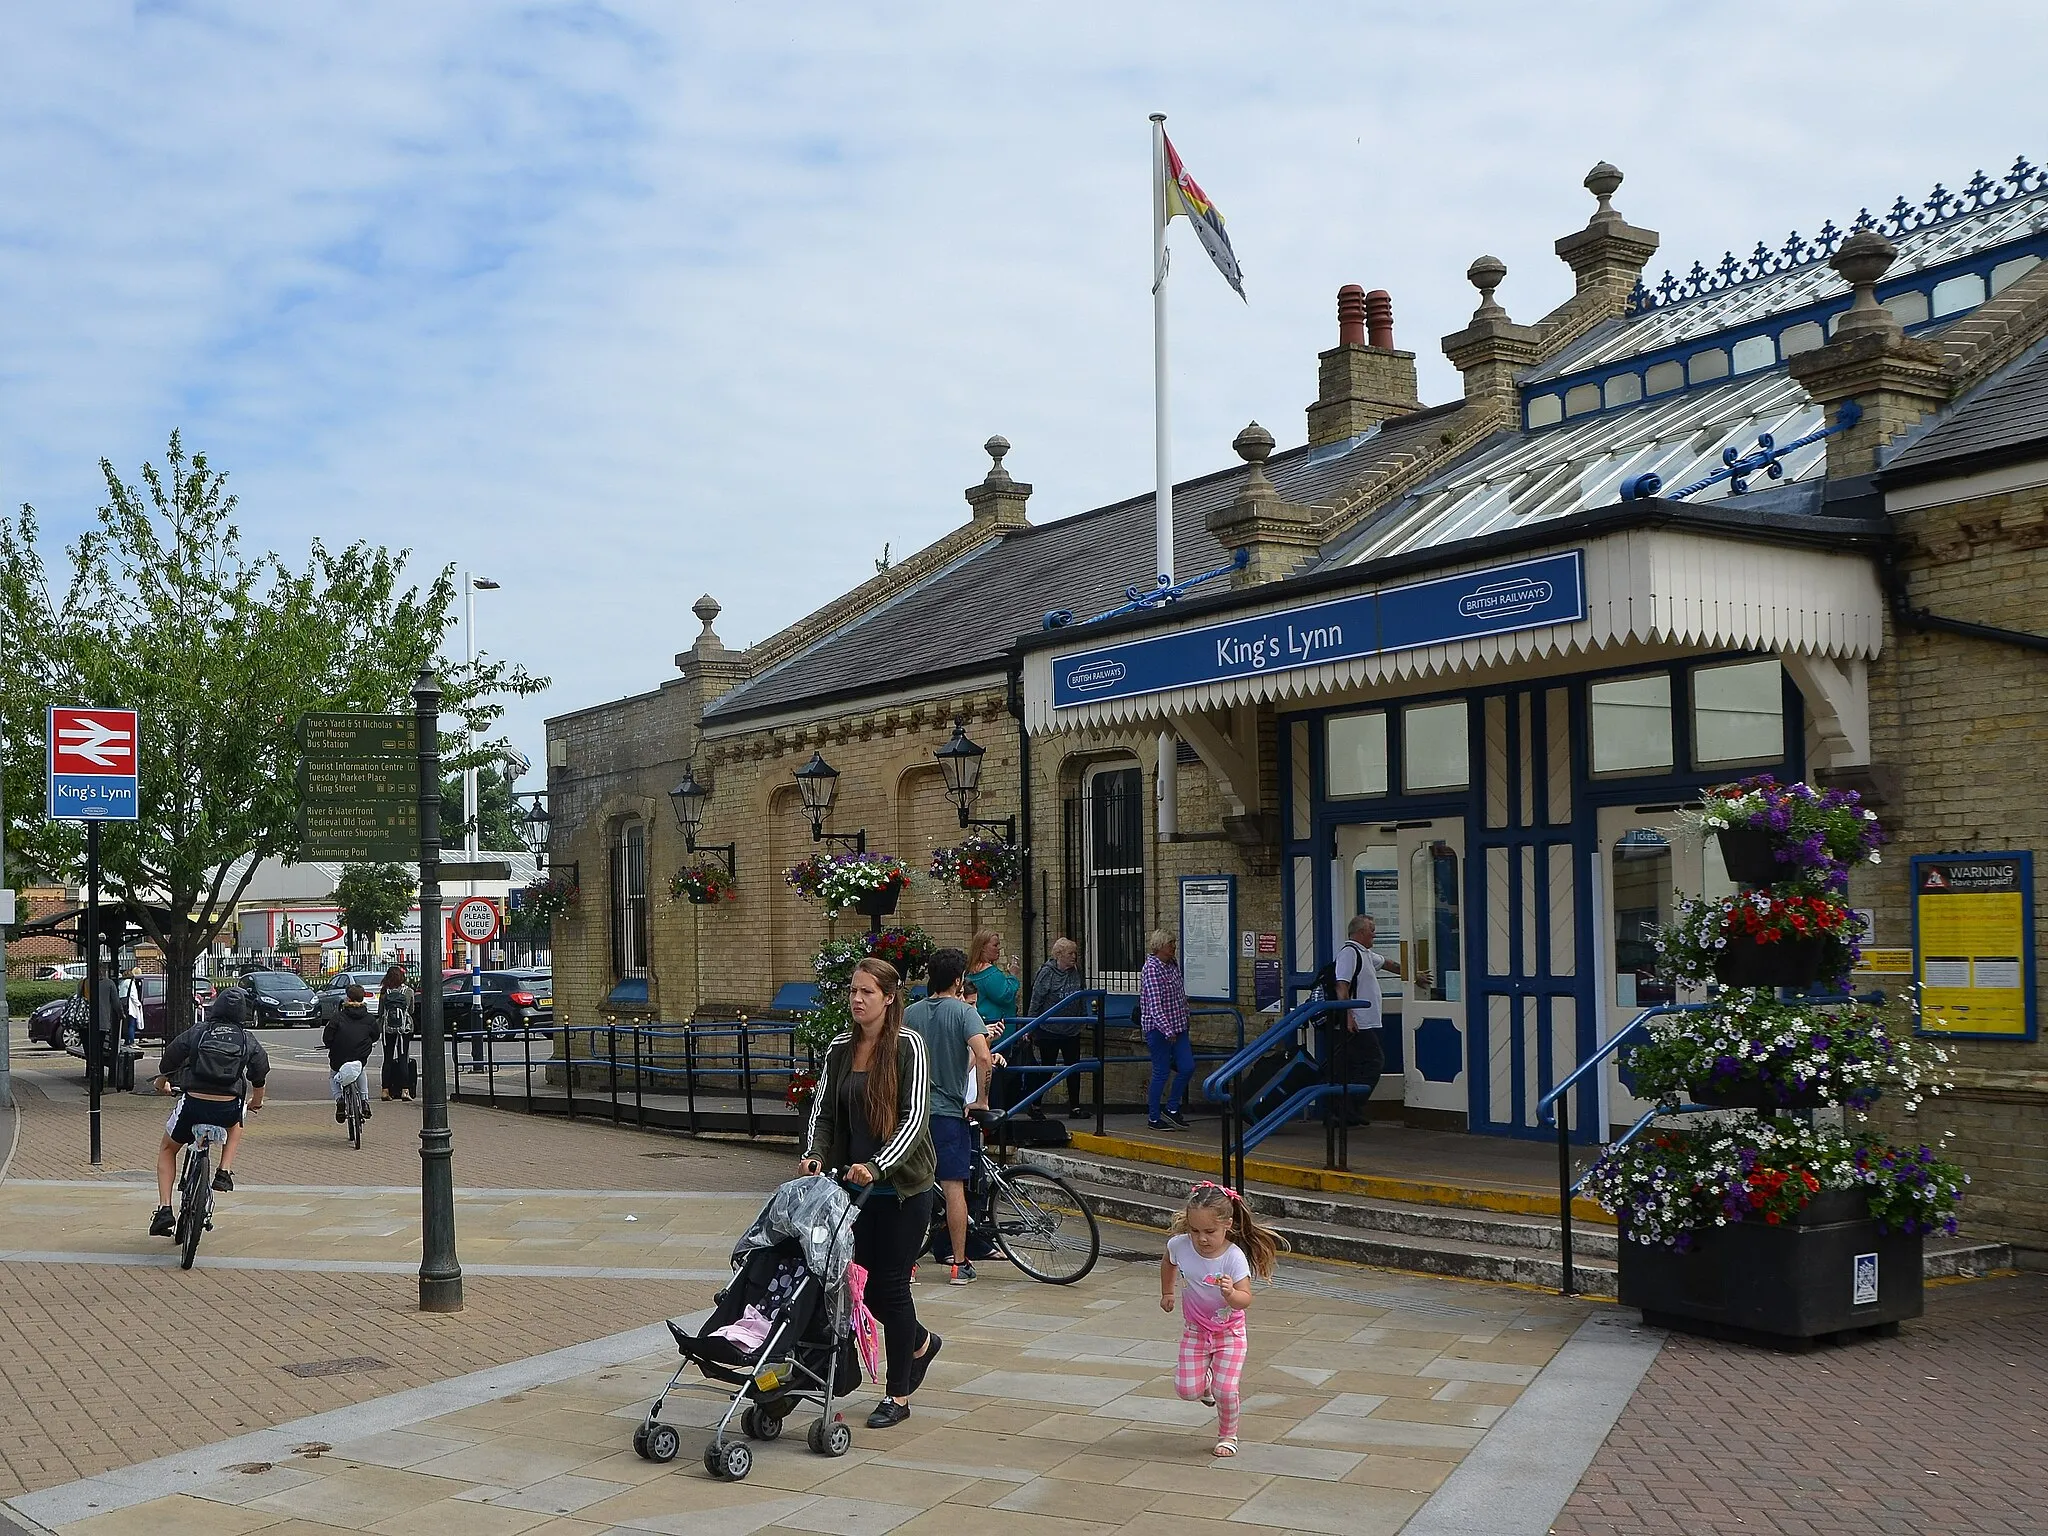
[(869, 883), (703, 884), (549, 897), (910, 949), (981, 866), (1750, 961), (1750, 855)]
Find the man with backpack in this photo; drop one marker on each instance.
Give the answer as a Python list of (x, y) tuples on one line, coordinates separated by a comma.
[(1357, 1047), (208, 1064), (956, 1040)]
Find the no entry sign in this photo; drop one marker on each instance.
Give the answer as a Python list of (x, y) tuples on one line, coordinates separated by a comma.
[(476, 920), (92, 764)]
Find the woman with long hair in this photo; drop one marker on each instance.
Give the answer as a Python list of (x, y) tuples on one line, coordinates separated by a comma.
[(395, 1004), (871, 1121)]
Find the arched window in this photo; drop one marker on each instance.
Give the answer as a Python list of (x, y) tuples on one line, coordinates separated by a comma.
[(629, 900)]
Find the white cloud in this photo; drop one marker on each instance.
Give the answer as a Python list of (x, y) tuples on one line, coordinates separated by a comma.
[(621, 304)]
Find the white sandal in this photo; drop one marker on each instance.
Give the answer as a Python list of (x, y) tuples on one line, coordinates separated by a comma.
[(1226, 1447)]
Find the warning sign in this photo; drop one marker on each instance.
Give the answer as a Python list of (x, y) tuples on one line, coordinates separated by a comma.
[(1973, 946)]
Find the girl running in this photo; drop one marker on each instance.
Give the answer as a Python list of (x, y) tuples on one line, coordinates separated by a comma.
[(1217, 1245)]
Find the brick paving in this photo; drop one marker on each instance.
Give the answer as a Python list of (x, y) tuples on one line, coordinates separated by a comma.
[(1941, 1430)]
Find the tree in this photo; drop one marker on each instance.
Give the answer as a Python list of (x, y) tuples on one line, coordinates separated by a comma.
[(495, 831), (222, 652), (374, 898)]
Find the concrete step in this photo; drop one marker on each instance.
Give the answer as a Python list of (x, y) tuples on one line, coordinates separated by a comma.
[(1389, 1218), (1458, 1257)]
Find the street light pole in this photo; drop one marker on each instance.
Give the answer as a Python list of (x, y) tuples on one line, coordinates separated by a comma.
[(440, 1272), (6, 1025)]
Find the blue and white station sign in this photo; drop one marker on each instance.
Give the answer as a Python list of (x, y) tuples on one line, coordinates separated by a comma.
[(1444, 610)]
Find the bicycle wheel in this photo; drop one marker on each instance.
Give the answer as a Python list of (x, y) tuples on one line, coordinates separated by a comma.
[(198, 1187), (1043, 1225), (355, 1116)]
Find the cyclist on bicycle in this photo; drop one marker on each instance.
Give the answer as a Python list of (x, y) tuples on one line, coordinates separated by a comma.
[(207, 1065), (349, 1035)]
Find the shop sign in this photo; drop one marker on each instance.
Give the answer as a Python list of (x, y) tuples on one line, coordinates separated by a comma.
[(1973, 944), (1527, 594)]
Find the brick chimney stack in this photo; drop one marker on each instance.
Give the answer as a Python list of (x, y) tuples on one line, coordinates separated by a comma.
[(1362, 380)]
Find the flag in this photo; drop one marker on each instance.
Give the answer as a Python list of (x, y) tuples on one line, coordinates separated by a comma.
[(1183, 196)]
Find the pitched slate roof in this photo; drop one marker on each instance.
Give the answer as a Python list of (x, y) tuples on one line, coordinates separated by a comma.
[(961, 620), (2003, 422)]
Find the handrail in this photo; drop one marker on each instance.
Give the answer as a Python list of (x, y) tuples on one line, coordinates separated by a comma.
[(1614, 1043), (1215, 1084), (1058, 1010)]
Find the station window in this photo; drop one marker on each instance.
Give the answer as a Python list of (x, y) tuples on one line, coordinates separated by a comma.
[(1356, 754), (629, 901), (1738, 714), (1436, 751), (1632, 724)]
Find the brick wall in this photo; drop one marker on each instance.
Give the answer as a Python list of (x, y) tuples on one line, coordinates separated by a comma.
[(1963, 724)]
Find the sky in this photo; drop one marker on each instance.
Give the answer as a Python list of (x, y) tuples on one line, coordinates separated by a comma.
[(618, 304)]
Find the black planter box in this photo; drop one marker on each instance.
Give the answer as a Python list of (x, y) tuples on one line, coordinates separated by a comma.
[(1749, 1093), (1752, 856), (1782, 963), (881, 902), (1829, 1270)]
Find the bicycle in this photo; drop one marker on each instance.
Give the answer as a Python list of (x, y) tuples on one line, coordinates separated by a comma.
[(195, 1192), (355, 1103), (1035, 1219)]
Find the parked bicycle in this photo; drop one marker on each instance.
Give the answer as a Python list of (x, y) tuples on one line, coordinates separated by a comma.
[(1032, 1217), (195, 1191)]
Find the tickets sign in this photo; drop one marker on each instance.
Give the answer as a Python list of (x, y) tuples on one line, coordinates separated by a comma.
[(1973, 944)]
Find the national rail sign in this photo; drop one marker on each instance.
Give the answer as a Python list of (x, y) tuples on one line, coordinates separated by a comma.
[(359, 796), (93, 771)]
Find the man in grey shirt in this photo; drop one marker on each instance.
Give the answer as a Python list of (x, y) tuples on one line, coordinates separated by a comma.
[(955, 1038)]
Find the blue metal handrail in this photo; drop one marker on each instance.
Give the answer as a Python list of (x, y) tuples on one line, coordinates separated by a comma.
[(1224, 1085), (1614, 1043), (1216, 1085)]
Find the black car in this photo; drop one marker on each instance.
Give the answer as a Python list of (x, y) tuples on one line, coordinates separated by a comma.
[(46, 1026), (514, 1003), (280, 997)]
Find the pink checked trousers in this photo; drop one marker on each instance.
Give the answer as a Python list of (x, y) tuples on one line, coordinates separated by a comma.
[(1210, 1365)]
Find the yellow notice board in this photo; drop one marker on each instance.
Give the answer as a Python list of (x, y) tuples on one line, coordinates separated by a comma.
[(1973, 944)]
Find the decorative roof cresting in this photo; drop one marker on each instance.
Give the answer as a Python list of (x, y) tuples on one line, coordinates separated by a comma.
[(1941, 206)]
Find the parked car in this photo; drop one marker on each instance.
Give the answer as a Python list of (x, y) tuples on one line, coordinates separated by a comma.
[(281, 998), (68, 972), (514, 1003), (333, 990), (46, 1026)]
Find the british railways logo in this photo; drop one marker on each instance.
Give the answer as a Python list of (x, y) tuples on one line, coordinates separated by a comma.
[(1095, 675), (1505, 600)]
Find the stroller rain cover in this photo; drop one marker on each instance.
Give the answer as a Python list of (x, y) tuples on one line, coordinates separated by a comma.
[(813, 1213)]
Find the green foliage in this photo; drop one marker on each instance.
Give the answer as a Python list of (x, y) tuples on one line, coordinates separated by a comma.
[(496, 831), (374, 898), (222, 651), (23, 997)]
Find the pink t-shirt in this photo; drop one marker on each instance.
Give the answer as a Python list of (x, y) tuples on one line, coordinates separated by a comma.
[(1201, 1302)]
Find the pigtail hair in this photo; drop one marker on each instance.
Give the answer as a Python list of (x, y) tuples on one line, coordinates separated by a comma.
[(1261, 1244)]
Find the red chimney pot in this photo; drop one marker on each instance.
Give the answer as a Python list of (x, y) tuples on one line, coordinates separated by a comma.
[(1351, 315), (1379, 319)]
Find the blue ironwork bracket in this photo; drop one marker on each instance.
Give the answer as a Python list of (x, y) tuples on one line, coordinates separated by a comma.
[(1139, 599), (1737, 468)]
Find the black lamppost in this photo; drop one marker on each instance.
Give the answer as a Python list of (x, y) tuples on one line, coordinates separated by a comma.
[(960, 762), (818, 782), (688, 798)]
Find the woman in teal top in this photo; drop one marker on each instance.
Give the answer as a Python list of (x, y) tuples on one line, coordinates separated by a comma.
[(995, 989)]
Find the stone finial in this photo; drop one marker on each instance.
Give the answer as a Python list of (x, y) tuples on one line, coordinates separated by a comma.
[(706, 608), (707, 662), (1000, 497), (1487, 274), (1861, 260), (1278, 536), (1603, 181), (1254, 445)]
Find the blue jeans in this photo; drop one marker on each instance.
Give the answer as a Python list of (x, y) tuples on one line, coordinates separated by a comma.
[(1175, 1053)]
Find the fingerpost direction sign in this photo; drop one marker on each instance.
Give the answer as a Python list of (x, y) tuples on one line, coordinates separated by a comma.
[(359, 795), (93, 773)]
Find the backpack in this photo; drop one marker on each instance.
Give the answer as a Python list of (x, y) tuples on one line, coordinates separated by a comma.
[(217, 1059), (1325, 989), (394, 1012)]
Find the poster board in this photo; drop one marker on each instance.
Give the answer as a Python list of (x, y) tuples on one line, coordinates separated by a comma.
[(1208, 937), (1973, 944)]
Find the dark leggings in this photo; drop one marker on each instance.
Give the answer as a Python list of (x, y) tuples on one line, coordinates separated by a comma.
[(887, 1239), (1057, 1050)]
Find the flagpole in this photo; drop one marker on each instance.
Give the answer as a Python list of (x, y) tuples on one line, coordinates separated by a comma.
[(1162, 459)]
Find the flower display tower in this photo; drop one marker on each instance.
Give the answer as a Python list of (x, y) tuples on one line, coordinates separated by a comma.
[(1783, 1218)]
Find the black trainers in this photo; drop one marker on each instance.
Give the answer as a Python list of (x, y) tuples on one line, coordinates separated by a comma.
[(1079, 1112), (919, 1364), (340, 1113), (163, 1223), (888, 1414), (1173, 1119), (224, 1182)]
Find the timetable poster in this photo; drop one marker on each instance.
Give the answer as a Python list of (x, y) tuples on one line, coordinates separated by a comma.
[(1973, 944)]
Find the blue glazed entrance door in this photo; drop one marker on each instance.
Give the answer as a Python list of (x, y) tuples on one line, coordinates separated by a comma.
[(1527, 884)]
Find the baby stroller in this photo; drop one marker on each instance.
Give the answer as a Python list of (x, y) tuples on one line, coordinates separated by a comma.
[(780, 1333)]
